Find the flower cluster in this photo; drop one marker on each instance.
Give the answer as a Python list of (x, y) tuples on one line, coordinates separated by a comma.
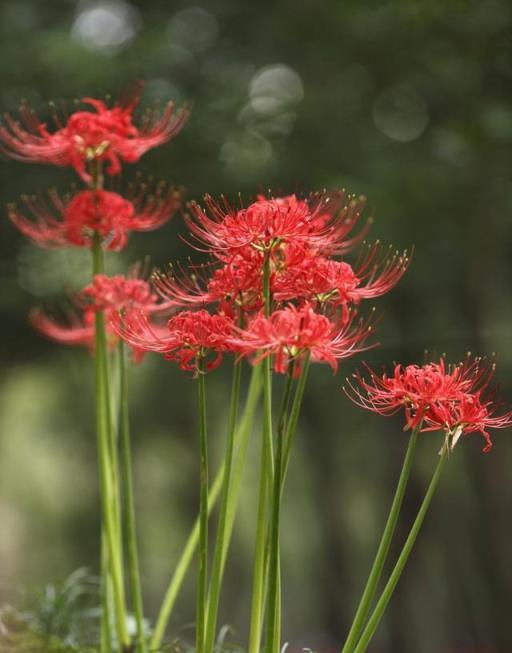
[(456, 399), (276, 276), (188, 339), (75, 220), (121, 298), (88, 141), (103, 134)]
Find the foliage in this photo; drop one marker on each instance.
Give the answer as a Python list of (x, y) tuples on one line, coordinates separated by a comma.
[(59, 618)]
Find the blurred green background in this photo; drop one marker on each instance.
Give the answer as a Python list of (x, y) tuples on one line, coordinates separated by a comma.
[(406, 102)]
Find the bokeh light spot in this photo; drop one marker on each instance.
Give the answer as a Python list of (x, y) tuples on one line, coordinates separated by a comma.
[(274, 88), (401, 114), (106, 26), (245, 152)]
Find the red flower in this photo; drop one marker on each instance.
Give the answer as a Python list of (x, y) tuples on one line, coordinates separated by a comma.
[(74, 221), (235, 285), (469, 413), (102, 134), (290, 333), (435, 396), (188, 337), (322, 222), (324, 280), (238, 285), (118, 296), (413, 388)]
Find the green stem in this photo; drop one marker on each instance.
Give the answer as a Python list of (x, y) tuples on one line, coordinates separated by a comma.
[(114, 462), (258, 589), (217, 565), (103, 424), (293, 419), (265, 485), (274, 609), (203, 509), (106, 634), (363, 608), (241, 456), (385, 597), (242, 439), (129, 507)]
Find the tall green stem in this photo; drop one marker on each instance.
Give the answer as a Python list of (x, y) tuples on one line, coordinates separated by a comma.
[(380, 558), (105, 632), (265, 485), (258, 588), (274, 609), (203, 509), (293, 418), (385, 597), (241, 455), (217, 565), (129, 507), (103, 424), (242, 439)]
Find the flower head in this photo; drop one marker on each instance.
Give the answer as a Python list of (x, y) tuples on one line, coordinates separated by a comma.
[(322, 222), (102, 133), (121, 295), (329, 281), (290, 334), (234, 286), (188, 338), (434, 396), (118, 296), (75, 220), (469, 413)]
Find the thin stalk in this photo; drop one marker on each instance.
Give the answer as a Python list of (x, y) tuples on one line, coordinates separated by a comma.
[(114, 463), (385, 597), (103, 426), (364, 606), (217, 565), (203, 510), (241, 456), (105, 629), (242, 439), (293, 418), (129, 507), (265, 485), (277, 627), (274, 610), (258, 588)]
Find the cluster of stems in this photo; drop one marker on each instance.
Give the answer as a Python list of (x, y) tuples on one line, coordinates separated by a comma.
[(366, 620), (118, 512), (276, 446)]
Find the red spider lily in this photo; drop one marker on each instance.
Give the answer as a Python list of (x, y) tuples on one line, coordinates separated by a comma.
[(114, 295), (101, 134), (120, 294), (77, 330), (337, 282), (238, 285), (291, 333), (235, 285), (188, 337), (434, 396), (75, 220), (322, 222), (469, 413)]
